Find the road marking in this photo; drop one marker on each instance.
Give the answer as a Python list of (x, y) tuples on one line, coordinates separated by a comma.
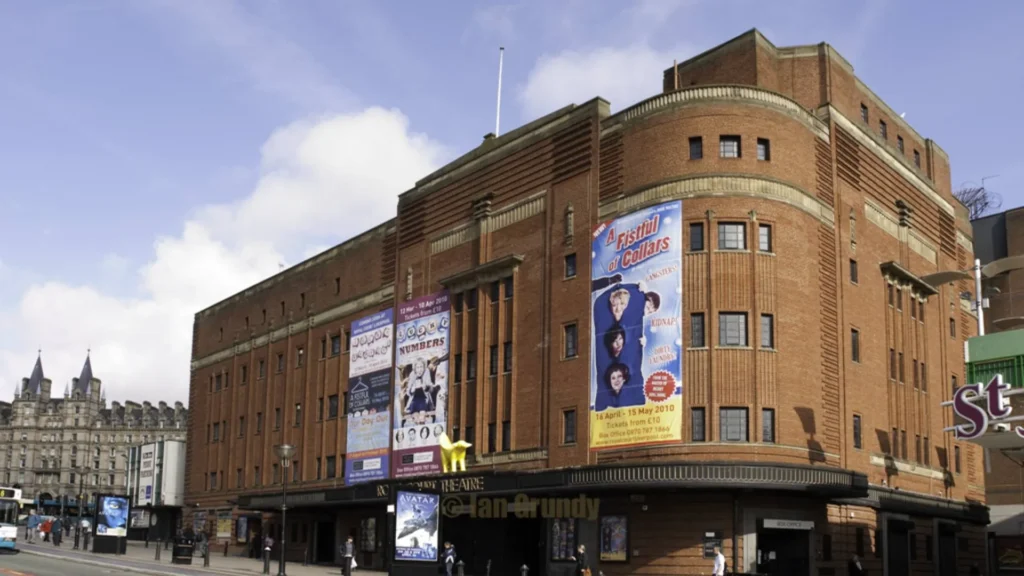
[(12, 572)]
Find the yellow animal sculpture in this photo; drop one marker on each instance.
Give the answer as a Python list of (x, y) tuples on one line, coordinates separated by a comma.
[(453, 456)]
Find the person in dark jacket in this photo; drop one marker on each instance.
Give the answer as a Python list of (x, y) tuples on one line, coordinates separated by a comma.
[(348, 550), (581, 560), (854, 567), (449, 558), (58, 531)]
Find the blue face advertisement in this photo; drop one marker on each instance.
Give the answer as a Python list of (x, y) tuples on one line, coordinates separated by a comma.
[(636, 348), (369, 398), (112, 516), (416, 526)]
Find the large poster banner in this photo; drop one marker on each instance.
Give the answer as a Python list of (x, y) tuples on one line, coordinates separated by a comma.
[(369, 398), (416, 525), (421, 384), (636, 348)]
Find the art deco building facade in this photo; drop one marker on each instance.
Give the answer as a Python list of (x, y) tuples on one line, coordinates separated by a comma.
[(806, 425), (57, 446)]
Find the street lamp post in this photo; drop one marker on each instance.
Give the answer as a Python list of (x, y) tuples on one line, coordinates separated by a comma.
[(284, 453), (78, 528)]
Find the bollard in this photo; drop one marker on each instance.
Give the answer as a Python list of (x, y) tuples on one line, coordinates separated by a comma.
[(167, 543), (206, 555), (157, 551), (305, 556), (225, 549), (460, 568), (524, 570), (266, 560)]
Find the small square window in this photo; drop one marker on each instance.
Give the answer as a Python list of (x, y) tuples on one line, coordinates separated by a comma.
[(899, 143), (570, 265), (697, 237), (569, 338), (883, 130), (697, 426), (856, 432), (733, 425), (732, 236), (764, 237), (696, 148), (768, 425), (729, 147), (863, 112), (767, 331), (764, 150), (732, 329), (854, 276), (569, 426), (917, 158), (697, 339)]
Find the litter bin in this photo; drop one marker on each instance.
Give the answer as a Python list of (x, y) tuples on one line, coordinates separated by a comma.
[(183, 550)]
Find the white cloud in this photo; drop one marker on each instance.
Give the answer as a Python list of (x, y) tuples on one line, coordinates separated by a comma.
[(623, 76), (320, 181)]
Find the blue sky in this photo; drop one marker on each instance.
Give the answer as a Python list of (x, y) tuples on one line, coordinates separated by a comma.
[(149, 146)]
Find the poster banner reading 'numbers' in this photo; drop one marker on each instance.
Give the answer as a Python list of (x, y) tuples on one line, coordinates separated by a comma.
[(421, 384), (636, 345), (369, 398)]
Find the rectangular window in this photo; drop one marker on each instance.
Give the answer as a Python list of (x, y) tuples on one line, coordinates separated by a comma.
[(697, 330), (319, 469), (277, 418), (920, 312), (899, 299), (767, 331), (569, 338), (241, 426), (729, 147), (913, 308), (335, 345), (344, 403), (570, 265), (902, 380), (216, 432), (697, 237), (337, 285), (332, 470), (459, 299), (696, 148), (854, 276), (323, 348), (857, 432), (855, 345), (319, 409), (495, 291), (892, 364), (471, 439), (927, 454), (280, 363), (302, 300), (276, 474), (471, 365), (457, 376), (764, 150), (732, 329), (917, 448), (262, 370), (954, 383), (899, 143), (863, 112), (259, 422), (883, 130), (733, 425), (568, 427), (903, 445), (507, 353), (245, 373), (217, 380), (471, 297), (697, 426), (859, 541), (493, 364), (914, 374), (768, 425), (492, 437), (956, 459), (764, 237), (917, 158), (332, 406), (298, 414), (732, 236), (509, 285), (892, 295), (348, 340), (300, 356), (952, 328), (256, 479), (895, 440), (506, 436)]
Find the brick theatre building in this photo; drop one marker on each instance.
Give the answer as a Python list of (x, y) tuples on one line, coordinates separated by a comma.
[(705, 313)]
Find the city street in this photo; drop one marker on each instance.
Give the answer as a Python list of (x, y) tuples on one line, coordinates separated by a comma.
[(33, 565)]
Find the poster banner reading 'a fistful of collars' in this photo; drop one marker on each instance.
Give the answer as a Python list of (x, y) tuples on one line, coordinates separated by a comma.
[(636, 345), (421, 384), (369, 398)]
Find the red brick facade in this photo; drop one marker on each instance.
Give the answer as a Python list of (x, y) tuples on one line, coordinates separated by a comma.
[(831, 189)]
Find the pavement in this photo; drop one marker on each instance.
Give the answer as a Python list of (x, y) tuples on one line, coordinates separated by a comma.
[(40, 559)]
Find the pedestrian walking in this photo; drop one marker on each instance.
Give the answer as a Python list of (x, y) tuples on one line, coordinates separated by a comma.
[(58, 531), (31, 527), (855, 568), (719, 567), (348, 550), (46, 530), (449, 558), (581, 561)]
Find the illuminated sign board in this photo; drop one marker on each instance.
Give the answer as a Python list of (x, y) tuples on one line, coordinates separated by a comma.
[(982, 405)]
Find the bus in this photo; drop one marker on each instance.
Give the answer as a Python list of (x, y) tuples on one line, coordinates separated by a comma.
[(10, 506)]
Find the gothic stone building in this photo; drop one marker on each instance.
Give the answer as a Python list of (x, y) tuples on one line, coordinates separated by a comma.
[(57, 446)]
